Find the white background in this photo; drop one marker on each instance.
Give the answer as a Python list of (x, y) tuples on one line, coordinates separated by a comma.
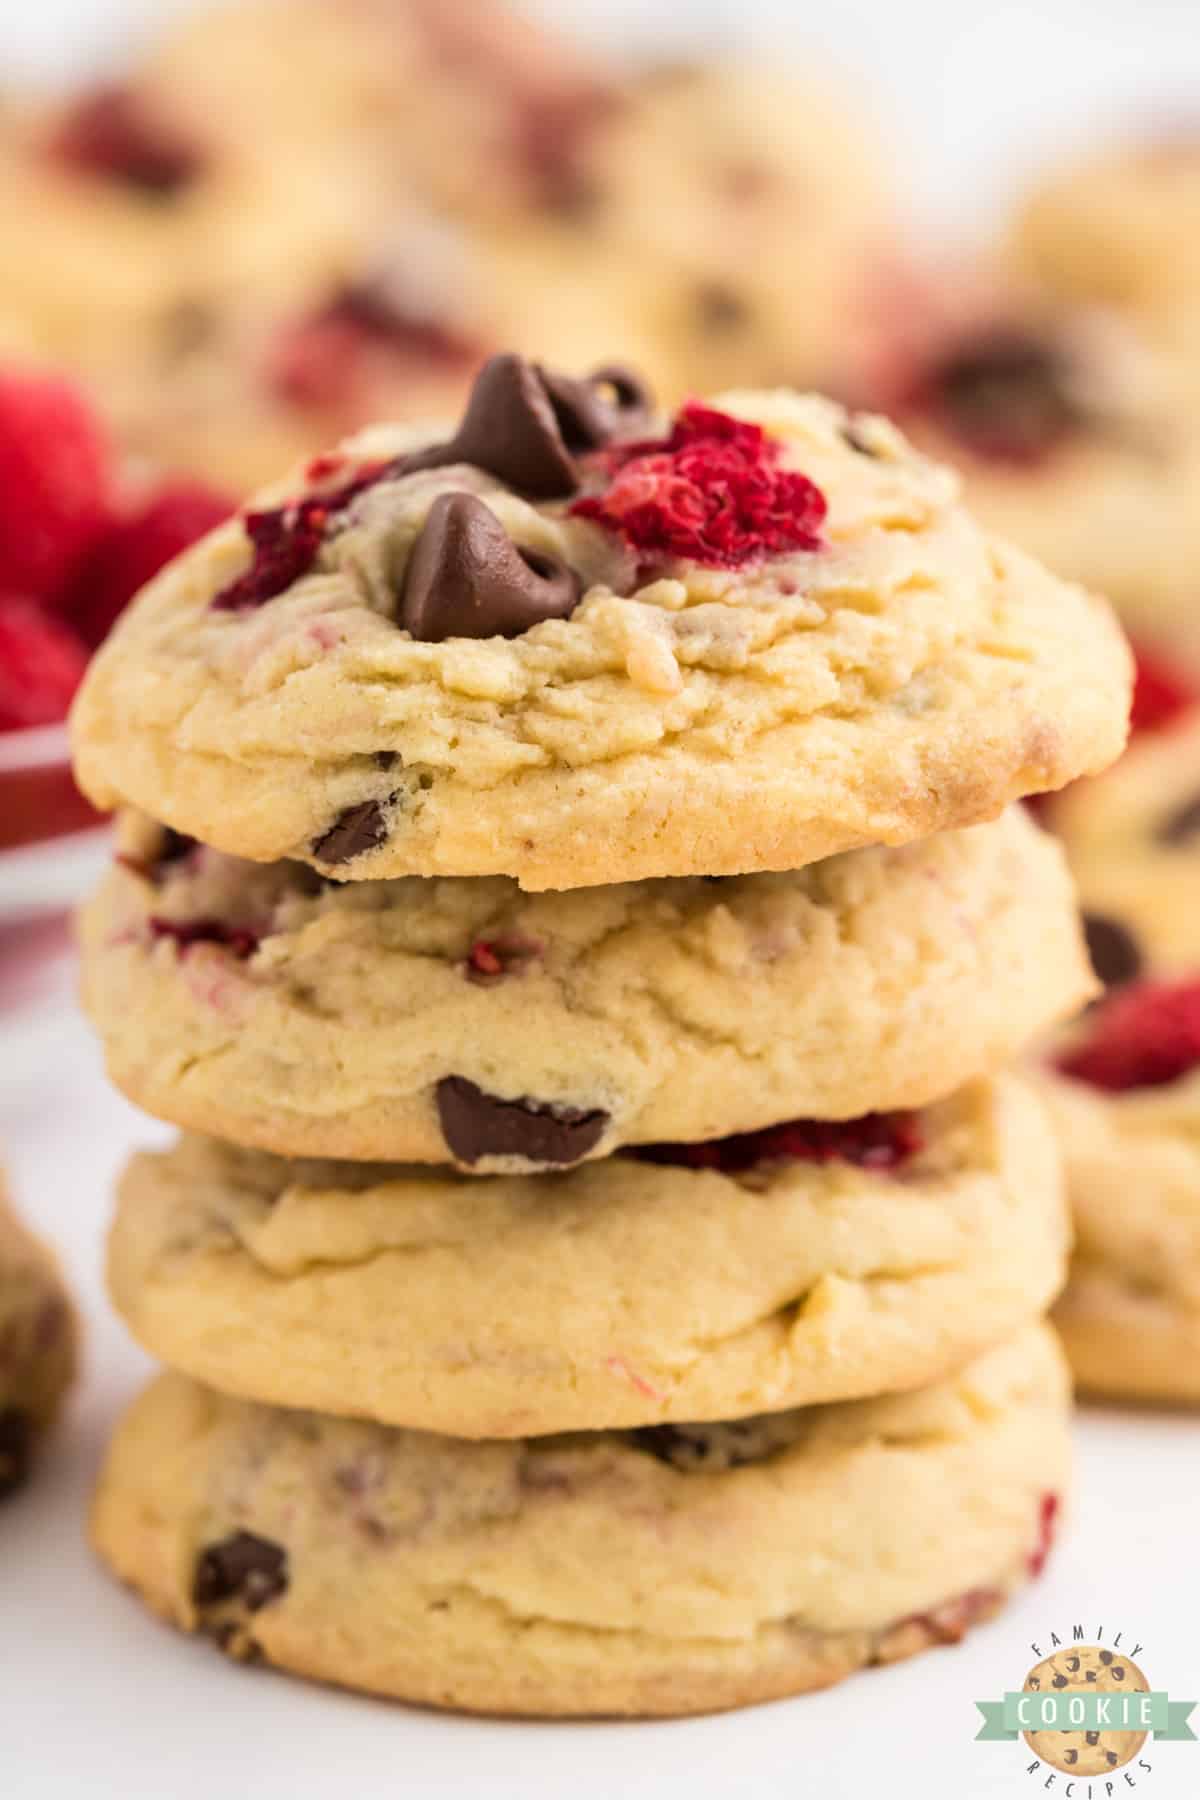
[(95, 1699)]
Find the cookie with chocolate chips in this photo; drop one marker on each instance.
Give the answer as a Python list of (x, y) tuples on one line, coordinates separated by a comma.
[(587, 1574), (571, 645), (824, 1260), (1083, 1752)]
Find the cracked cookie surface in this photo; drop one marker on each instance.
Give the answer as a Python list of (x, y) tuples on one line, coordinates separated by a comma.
[(837, 1262), (903, 676), (590, 1574), (265, 1005)]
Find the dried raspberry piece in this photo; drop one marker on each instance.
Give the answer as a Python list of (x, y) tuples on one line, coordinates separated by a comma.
[(1144, 1035), (54, 482), (112, 132), (287, 539), (710, 492), (1158, 694), (876, 1141), (41, 664), (186, 932), (325, 359), (490, 959), (1048, 1512), (136, 547)]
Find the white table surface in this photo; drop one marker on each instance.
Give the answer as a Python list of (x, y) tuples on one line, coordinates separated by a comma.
[(98, 1700)]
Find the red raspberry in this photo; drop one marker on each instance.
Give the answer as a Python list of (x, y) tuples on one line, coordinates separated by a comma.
[(1159, 695), (876, 1141), (287, 539), (1049, 1508), (112, 132), (1144, 1035), (327, 358), (709, 492), (137, 546), (54, 486), (41, 665)]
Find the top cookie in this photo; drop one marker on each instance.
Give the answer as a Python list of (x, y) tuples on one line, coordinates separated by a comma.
[(574, 647)]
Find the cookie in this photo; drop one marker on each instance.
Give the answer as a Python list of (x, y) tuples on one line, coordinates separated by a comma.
[(154, 223), (266, 1005), (37, 1345), (823, 1262), (1125, 1097), (1132, 837), (600, 1573), (758, 640), (1087, 1753), (1120, 225), (1072, 439)]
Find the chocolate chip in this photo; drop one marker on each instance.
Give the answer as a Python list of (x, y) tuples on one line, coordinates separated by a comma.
[(1060, 1681), (1118, 1671), (1009, 394), (1110, 1757), (467, 579), (1071, 1756), (475, 1125), (1182, 825), (1106, 1657), (719, 308), (241, 1567), (525, 424), (1093, 1737), (354, 831), (16, 1444), (1113, 950)]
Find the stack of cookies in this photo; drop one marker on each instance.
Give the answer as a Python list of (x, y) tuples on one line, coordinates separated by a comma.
[(565, 894)]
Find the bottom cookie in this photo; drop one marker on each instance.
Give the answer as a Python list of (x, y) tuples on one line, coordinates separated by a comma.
[(37, 1345), (669, 1570)]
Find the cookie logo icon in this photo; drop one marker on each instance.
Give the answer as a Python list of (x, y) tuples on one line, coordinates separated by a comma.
[(1084, 1751)]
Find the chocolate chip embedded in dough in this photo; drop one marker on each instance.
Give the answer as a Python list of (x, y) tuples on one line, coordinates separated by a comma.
[(476, 1124), (466, 578), (241, 1567), (1182, 826), (1113, 949), (16, 1443), (354, 832)]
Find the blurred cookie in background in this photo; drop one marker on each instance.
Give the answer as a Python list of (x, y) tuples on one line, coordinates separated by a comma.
[(38, 1348), (1070, 435)]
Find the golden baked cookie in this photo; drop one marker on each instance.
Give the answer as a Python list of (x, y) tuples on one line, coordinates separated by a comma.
[(1125, 1096), (767, 635), (37, 1344), (263, 1004), (1072, 439), (677, 1570), (1132, 836), (806, 1263)]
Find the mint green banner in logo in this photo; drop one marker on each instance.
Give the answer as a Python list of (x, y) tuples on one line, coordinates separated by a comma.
[(1085, 1709)]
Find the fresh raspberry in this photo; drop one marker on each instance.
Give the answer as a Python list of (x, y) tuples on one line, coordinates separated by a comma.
[(287, 540), (137, 546), (709, 492), (1048, 1512), (876, 1141), (1144, 1035), (325, 359), (112, 132), (185, 932), (54, 483), (41, 665), (1159, 695)]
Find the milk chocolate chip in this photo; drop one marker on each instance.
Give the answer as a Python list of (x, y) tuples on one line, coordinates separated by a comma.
[(241, 1567), (1113, 950), (358, 829), (466, 578), (476, 1124), (16, 1442), (1181, 826), (526, 425)]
